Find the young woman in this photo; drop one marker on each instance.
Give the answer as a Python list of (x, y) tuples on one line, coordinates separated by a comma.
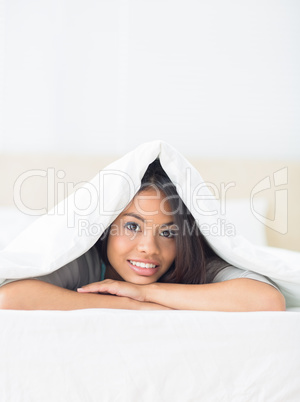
[(153, 256)]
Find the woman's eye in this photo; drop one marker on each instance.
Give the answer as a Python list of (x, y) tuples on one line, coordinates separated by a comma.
[(134, 227), (167, 233)]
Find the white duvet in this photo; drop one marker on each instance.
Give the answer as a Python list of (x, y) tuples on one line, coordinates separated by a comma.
[(77, 222)]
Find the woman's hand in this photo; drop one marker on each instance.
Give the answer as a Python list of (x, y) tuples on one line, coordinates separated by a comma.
[(117, 288), (241, 294), (123, 289)]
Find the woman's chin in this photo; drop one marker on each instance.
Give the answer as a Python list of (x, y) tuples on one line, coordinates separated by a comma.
[(141, 280)]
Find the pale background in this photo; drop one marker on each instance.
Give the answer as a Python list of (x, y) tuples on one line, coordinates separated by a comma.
[(90, 80), (210, 77)]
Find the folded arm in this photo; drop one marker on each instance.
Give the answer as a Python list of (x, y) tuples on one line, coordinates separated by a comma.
[(32, 294), (232, 295)]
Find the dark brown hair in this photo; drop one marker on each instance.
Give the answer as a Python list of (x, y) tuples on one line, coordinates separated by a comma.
[(193, 251)]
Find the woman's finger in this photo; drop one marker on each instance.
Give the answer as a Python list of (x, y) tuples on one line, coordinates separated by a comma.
[(92, 288)]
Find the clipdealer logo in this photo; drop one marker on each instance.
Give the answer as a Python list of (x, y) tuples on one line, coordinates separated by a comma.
[(280, 221), (81, 199)]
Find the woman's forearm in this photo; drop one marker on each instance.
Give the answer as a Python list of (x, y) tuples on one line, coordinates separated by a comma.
[(32, 294), (232, 295)]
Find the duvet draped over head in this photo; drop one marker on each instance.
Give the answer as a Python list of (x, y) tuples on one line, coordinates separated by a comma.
[(75, 224)]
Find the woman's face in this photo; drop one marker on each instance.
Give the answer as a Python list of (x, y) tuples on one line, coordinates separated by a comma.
[(141, 242)]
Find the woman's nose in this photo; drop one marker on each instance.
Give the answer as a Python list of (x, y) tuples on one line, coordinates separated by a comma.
[(148, 243)]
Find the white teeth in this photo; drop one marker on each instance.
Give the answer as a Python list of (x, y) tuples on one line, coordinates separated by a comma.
[(142, 264)]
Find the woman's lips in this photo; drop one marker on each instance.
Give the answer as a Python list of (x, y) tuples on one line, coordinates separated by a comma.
[(144, 271)]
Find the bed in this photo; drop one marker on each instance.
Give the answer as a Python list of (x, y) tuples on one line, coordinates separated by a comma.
[(122, 355)]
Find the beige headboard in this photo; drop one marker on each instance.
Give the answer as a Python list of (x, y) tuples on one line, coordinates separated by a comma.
[(39, 174)]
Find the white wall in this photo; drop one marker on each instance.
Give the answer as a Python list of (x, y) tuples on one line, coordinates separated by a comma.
[(211, 77)]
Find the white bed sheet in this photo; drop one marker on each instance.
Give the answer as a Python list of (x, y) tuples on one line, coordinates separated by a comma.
[(119, 355)]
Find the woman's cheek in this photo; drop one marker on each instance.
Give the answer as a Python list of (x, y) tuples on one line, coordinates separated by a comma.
[(118, 243)]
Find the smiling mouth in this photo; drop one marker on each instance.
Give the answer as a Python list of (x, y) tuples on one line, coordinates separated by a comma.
[(142, 264), (143, 268)]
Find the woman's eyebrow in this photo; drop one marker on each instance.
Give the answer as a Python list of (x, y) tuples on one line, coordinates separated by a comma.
[(135, 216), (167, 224), (143, 220)]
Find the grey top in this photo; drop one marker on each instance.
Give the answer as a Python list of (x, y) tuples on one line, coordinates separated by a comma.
[(82, 271), (88, 269), (226, 272)]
